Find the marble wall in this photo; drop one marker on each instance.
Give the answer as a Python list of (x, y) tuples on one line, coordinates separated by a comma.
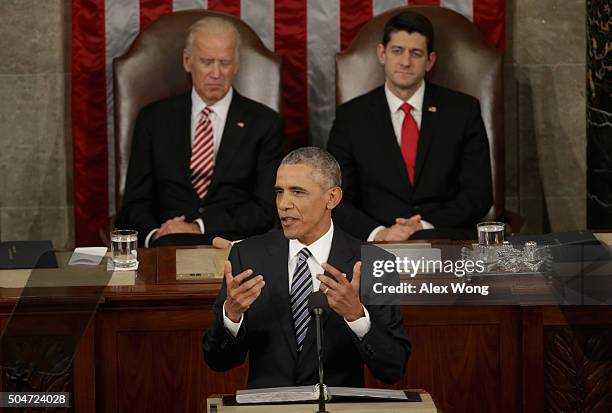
[(545, 117), (545, 113), (599, 114), (35, 144)]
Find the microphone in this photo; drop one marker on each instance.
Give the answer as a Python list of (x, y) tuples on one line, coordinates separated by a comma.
[(317, 302), (318, 305)]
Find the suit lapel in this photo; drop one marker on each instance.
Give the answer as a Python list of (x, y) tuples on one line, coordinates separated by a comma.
[(183, 144), (429, 120), (389, 150), (234, 131), (340, 257), (183, 131), (277, 276)]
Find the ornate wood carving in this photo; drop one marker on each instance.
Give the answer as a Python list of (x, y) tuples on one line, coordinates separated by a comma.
[(578, 368), (45, 349)]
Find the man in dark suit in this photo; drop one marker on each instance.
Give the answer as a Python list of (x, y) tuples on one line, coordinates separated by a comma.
[(261, 309), (203, 164), (414, 155)]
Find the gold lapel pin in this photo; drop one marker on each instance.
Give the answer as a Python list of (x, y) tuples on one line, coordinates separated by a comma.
[(432, 109), (240, 124)]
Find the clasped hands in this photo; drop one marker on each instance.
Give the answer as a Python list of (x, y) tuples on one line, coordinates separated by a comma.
[(342, 295), (401, 230), (177, 225)]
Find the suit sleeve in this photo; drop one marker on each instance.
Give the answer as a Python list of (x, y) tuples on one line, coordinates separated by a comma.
[(348, 215), (223, 351), (385, 348), (475, 195), (138, 203), (258, 214)]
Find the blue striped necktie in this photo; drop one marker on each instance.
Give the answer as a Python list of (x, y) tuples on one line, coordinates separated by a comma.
[(301, 287)]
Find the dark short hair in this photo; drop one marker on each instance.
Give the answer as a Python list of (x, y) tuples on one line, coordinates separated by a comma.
[(326, 170), (411, 22)]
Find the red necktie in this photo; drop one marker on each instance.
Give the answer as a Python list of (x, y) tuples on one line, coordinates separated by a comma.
[(202, 154), (410, 140)]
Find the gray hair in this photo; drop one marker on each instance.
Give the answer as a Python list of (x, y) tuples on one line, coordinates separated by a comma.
[(325, 167), (213, 25)]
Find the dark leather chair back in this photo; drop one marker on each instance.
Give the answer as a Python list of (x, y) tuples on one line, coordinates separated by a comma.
[(152, 69), (466, 62)]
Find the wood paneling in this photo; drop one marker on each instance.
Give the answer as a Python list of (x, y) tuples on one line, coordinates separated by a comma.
[(532, 360), (159, 371), (467, 357), (156, 362), (143, 353), (84, 396)]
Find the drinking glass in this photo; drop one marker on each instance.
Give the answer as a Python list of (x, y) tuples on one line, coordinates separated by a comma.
[(491, 233), (124, 243)]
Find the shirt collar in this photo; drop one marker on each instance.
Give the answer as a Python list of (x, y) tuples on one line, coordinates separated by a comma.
[(319, 249), (416, 100), (220, 108)]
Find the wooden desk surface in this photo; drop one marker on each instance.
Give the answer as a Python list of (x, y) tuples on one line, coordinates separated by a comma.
[(425, 406), (156, 282)]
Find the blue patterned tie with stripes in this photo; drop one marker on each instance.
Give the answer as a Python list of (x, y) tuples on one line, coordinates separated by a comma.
[(301, 287)]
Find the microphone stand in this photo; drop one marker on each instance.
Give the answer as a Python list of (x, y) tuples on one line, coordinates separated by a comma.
[(322, 389), (317, 303)]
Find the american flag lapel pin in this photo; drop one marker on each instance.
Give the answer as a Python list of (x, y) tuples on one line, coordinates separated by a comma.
[(432, 109), (240, 124)]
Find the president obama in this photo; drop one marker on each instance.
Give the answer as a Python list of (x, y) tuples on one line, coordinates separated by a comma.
[(262, 309)]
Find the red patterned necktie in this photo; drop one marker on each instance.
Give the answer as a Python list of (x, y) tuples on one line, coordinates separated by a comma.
[(410, 140), (202, 154)]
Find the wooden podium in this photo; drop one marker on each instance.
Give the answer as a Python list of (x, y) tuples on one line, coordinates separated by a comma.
[(426, 405)]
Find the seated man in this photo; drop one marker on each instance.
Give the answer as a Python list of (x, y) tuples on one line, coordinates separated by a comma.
[(262, 309), (414, 155), (203, 164)]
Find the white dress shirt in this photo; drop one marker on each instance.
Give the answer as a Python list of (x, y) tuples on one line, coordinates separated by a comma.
[(397, 119), (319, 254), (218, 116), (398, 115)]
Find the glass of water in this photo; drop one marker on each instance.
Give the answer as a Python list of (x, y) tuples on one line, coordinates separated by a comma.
[(491, 233), (124, 243)]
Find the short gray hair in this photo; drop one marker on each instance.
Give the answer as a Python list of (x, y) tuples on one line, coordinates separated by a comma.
[(213, 25), (325, 167)]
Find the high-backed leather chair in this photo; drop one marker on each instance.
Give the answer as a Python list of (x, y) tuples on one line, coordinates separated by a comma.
[(465, 62), (152, 69)]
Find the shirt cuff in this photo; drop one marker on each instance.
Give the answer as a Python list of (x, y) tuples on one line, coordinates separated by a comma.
[(200, 223), (426, 225), (230, 325), (361, 326), (148, 238), (374, 232)]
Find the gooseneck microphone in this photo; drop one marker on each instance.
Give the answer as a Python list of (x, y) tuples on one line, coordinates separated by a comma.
[(317, 304)]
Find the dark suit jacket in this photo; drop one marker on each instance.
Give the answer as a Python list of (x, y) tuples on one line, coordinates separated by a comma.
[(267, 333), (240, 201), (452, 185)]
